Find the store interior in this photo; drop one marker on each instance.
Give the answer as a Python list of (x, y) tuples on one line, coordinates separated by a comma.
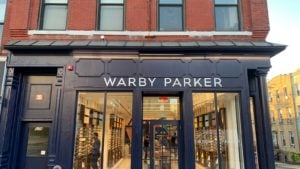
[(116, 120)]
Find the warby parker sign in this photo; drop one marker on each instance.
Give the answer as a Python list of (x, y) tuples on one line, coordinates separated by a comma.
[(206, 82)]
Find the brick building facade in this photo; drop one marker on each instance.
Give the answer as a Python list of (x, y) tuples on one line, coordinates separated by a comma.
[(136, 84)]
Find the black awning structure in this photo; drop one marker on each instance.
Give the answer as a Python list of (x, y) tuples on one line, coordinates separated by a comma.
[(198, 47)]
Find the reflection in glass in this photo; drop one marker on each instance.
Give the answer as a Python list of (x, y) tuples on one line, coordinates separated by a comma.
[(226, 18), (160, 132), (89, 120), (229, 131), (217, 131), (170, 18), (254, 132), (165, 146), (118, 131), (2, 10), (55, 17), (111, 17), (205, 131), (161, 108), (225, 1), (37, 141)]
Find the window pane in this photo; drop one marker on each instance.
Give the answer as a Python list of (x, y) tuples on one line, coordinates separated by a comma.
[(225, 1), (170, 18), (161, 108), (118, 131), (229, 130), (226, 19), (252, 112), (170, 1), (205, 131), (112, 1), (1, 31), (37, 141), (57, 1), (111, 18), (2, 10), (55, 17), (89, 129)]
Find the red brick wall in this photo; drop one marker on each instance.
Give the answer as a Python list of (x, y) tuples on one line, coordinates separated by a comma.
[(199, 15), (137, 15), (260, 20), (34, 14), (82, 15)]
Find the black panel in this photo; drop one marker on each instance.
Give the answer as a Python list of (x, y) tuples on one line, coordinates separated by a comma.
[(163, 68), (39, 100), (202, 68), (40, 96), (89, 67), (122, 68), (229, 68)]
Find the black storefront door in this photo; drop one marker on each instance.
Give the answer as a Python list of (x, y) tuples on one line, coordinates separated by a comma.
[(34, 146), (163, 151)]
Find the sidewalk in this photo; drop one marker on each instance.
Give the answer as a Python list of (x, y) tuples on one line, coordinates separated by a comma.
[(280, 165)]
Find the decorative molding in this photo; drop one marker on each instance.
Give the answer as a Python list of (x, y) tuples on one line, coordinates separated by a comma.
[(262, 72), (141, 33), (59, 76)]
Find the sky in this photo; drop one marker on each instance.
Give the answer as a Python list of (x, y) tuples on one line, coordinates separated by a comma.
[(284, 18)]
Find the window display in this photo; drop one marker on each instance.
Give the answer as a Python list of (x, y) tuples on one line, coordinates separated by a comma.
[(88, 122), (217, 130), (94, 147)]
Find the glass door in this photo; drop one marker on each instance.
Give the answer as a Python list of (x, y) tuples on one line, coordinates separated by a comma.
[(161, 136), (34, 146)]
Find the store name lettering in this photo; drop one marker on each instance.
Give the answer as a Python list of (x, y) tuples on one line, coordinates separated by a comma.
[(167, 82)]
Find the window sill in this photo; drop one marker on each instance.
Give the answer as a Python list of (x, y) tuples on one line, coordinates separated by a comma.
[(141, 33)]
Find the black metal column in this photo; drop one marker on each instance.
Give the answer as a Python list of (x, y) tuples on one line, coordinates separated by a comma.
[(8, 119), (265, 144), (137, 117), (188, 130)]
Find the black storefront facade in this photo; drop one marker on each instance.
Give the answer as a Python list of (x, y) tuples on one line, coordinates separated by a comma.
[(153, 105)]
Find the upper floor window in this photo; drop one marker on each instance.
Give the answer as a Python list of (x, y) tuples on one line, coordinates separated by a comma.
[(297, 89), (272, 116), (170, 15), (54, 14), (285, 93), (275, 138), (2, 14), (111, 15), (289, 113), (292, 139), (280, 115), (282, 138), (226, 15), (270, 97), (277, 95)]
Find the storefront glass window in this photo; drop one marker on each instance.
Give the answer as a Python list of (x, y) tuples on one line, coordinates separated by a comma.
[(254, 132), (229, 130), (217, 134), (91, 149), (89, 128), (118, 131), (161, 108)]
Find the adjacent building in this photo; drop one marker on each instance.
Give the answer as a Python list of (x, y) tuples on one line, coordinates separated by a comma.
[(283, 114), (136, 84)]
